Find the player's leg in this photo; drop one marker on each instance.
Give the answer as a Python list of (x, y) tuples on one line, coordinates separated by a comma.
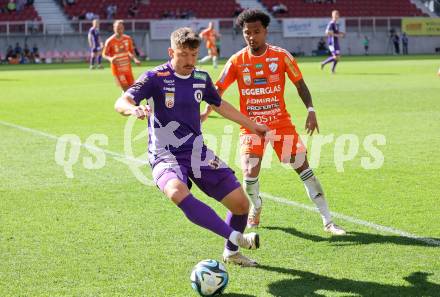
[(214, 54), (99, 58), (237, 216), (218, 181), (330, 59), (337, 57), (252, 150), (291, 150), (122, 80), (92, 58)]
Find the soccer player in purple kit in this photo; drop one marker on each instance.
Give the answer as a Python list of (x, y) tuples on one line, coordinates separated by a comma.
[(176, 151), (95, 45), (333, 35)]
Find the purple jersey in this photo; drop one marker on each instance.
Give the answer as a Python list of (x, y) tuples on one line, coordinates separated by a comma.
[(333, 40), (174, 124), (94, 37)]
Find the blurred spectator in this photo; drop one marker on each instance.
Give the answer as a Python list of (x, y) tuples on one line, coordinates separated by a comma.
[(36, 54), (396, 41), (29, 2), (366, 43), (27, 58), (279, 8), (34, 25), (90, 16), (321, 45), (111, 11), (70, 2), (82, 15), (404, 44), (133, 10), (18, 50), (11, 6), (20, 4), (9, 54)]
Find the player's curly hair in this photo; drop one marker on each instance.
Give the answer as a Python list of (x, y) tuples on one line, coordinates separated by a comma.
[(185, 38), (252, 15)]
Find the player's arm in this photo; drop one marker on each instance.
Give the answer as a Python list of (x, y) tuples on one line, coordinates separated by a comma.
[(208, 109), (306, 97), (126, 106), (89, 38), (131, 53), (106, 52), (229, 112)]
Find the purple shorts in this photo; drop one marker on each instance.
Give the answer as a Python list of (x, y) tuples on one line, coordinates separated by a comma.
[(334, 49), (207, 171)]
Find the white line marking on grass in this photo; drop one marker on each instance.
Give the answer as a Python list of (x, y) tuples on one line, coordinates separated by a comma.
[(281, 200)]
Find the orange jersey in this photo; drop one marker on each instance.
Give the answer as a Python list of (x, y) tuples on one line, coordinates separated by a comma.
[(210, 36), (119, 48), (261, 81)]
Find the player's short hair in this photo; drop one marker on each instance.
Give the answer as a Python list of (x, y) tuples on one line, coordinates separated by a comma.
[(252, 15), (185, 38), (117, 22)]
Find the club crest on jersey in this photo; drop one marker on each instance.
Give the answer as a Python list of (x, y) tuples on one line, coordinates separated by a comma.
[(273, 66), (247, 79), (198, 96), (169, 100)]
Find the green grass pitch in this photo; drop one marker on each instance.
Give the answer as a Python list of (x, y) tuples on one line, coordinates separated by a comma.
[(103, 233)]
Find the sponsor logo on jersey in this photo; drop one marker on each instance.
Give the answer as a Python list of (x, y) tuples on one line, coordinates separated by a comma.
[(261, 91), (169, 89), (274, 78), (169, 81), (169, 100), (246, 70), (273, 66), (261, 72), (245, 65), (199, 86), (262, 100), (166, 73), (259, 66), (262, 107), (247, 79), (272, 59), (200, 75), (260, 81), (198, 96)]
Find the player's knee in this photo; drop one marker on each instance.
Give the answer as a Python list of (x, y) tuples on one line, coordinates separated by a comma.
[(176, 191), (242, 207)]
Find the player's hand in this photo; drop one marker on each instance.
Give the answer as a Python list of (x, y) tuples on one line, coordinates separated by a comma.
[(137, 62), (342, 34), (204, 116), (260, 130), (141, 112), (311, 123)]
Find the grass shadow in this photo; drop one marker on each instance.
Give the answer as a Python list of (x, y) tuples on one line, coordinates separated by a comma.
[(303, 283), (358, 238)]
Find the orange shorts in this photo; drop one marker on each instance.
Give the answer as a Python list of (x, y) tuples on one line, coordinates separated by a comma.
[(124, 79), (285, 142), (212, 48)]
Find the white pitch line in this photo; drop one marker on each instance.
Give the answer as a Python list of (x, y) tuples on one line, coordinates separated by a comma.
[(281, 200)]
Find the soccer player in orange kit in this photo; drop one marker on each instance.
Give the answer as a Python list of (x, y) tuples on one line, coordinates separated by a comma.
[(119, 51), (210, 35), (260, 71)]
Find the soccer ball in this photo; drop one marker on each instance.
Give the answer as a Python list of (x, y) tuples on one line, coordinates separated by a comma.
[(209, 278)]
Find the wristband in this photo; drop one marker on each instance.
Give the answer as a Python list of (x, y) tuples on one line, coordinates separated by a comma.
[(311, 109)]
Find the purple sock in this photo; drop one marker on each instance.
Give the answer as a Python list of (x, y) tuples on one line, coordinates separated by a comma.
[(201, 214), (92, 61), (99, 59), (334, 65), (238, 223), (328, 60)]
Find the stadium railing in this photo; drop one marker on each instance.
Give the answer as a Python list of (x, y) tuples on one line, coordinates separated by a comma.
[(353, 24)]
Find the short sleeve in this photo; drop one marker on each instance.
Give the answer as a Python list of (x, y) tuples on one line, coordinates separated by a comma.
[(292, 68), (211, 95), (142, 88), (228, 75)]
